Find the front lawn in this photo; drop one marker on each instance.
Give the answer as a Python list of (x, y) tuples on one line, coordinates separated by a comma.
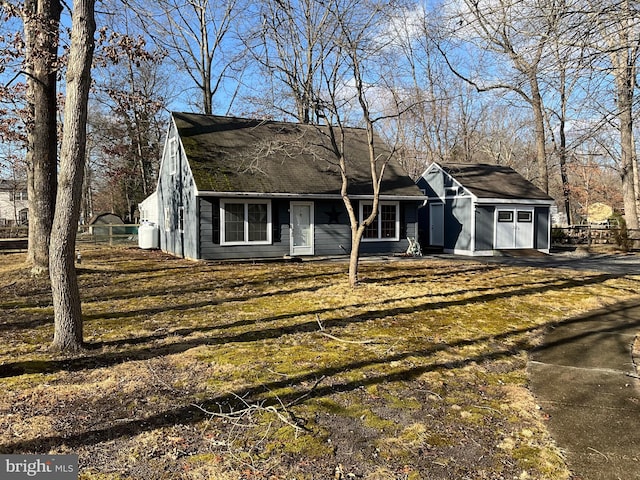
[(280, 371)]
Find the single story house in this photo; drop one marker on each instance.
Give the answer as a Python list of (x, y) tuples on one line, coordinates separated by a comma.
[(476, 209), (235, 188)]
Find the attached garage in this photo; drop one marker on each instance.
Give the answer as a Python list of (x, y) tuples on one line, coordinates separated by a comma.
[(477, 209)]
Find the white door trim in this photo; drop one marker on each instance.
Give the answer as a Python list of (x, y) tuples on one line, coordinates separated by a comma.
[(295, 236), (515, 233)]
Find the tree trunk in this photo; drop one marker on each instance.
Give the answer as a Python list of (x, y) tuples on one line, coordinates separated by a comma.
[(625, 86), (64, 283), (626, 164), (354, 255), (538, 117), (623, 55), (41, 26)]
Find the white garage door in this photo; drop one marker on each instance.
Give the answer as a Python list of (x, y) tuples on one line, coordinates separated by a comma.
[(514, 228)]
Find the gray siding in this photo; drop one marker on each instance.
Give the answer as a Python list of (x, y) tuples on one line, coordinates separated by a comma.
[(457, 224), (432, 182), (485, 218), (541, 239), (210, 248), (332, 231), (176, 190), (332, 234)]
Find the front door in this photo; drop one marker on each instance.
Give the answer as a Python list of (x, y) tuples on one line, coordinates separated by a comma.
[(301, 228), (436, 224)]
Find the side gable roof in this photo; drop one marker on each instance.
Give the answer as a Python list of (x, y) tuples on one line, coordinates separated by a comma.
[(229, 154), (494, 181)]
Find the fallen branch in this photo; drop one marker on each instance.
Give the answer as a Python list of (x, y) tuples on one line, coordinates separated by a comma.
[(309, 392), (599, 453), (235, 416)]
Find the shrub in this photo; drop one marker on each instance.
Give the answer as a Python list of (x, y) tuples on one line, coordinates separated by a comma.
[(621, 232)]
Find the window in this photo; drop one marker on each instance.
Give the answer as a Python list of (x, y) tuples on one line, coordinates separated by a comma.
[(181, 219), (18, 196), (386, 225), (173, 155), (245, 222), (505, 216), (167, 219), (525, 216), (23, 217)]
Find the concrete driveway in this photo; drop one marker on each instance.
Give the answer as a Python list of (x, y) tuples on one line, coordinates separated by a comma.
[(585, 379), (617, 263)]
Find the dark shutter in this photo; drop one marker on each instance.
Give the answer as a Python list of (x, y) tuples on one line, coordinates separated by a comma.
[(215, 221), (275, 221)]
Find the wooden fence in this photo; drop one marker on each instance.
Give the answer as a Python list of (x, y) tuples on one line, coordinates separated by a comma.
[(112, 234), (15, 238), (590, 235)]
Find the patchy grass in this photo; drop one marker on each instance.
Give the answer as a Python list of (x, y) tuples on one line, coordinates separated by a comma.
[(222, 371)]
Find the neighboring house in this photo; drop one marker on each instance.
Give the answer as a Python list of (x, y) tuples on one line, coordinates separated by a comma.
[(478, 209), (232, 188), (13, 203)]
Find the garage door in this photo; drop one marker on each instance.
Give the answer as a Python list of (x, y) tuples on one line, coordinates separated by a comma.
[(514, 228)]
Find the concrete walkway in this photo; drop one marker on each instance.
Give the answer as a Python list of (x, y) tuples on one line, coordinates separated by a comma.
[(584, 378)]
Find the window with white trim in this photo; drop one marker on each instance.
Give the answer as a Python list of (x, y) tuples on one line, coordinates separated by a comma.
[(173, 155), (505, 216), (386, 225), (167, 219), (525, 216), (245, 222), (181, 219)]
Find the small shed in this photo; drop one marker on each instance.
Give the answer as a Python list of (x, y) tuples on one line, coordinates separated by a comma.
[(106, 225), (478, 209)]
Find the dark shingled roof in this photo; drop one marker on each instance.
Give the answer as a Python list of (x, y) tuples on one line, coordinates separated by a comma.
[(258, 156), (494, 181)]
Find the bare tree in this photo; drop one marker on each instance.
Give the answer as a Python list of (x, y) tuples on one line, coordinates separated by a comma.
[(518, 32), (130, 93), (443, 113), (617, 29), (355, 55), (197, 36), (290, 43), (567, 71), (64, 283)]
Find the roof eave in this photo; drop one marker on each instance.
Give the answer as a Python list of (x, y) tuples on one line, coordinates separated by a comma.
[(518, 201), (310, 196)]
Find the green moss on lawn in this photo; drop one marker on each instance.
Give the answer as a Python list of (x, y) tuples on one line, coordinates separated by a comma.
[(444, 354)]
